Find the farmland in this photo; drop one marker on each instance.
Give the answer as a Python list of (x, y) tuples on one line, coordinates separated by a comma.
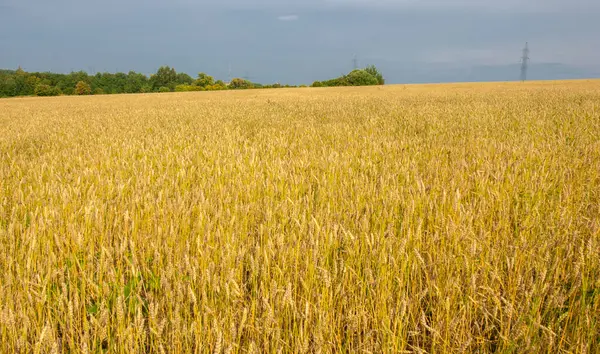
[(419, 218)]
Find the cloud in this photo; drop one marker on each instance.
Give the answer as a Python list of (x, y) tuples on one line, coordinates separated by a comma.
[(288, 18), (530, 6)]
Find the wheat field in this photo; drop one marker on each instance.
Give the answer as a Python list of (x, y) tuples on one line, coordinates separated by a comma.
[(458, 218)]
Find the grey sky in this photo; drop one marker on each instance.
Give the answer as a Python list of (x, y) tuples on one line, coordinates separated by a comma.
[(300, 41)]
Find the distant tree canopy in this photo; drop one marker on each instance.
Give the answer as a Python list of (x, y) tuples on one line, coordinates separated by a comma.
[(371, 69), (46, 90), (20, 83), (204, 80), (184, 79), (359, 77), (166, 79), (83, 88), (238, 83)]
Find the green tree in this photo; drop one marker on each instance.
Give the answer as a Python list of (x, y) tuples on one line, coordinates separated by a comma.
[(135, 82), (31, 82), (83, 88), (371, 69), (360, 78), (204, 80), (164, 77), (102, 81), (240, 84), (46, 90), (119, 83), (67, 83), (184, 79), (20, 78), (9, 87)]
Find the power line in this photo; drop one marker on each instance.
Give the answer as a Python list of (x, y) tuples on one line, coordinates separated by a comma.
[(525, 62)]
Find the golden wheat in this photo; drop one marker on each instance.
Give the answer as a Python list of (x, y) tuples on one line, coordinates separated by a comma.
[(431, 218)]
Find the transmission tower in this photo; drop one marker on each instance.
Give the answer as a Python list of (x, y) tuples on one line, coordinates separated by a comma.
[(355, 62), (525, 62)]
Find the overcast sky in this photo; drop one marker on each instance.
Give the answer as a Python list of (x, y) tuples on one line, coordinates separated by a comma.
[(296, 41)]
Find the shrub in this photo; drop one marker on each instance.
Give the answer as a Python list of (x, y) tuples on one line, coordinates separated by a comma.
[(317, 84), (164, 89), (188, 88), (216, 87), (340, 81), (98, 91)]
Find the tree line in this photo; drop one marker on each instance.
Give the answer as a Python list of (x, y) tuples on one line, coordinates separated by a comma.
[(166, 79)]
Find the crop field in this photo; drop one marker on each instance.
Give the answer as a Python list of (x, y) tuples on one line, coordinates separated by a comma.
[(397, 219)]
